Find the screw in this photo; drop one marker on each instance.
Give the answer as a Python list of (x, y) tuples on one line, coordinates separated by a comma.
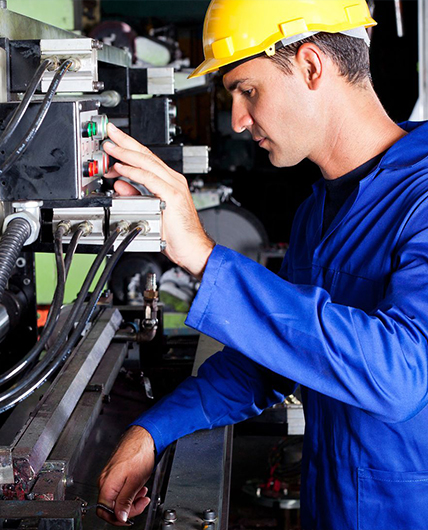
[(26, 281), (21, 262), (209, 516), (97, 45), (68, 481), (162, 206), (169, 516), (98, 85), (163, 245)]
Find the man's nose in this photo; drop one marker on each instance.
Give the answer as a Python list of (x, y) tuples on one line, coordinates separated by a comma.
[(241, 118)]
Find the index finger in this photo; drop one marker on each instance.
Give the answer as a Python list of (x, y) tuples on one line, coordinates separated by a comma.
[(124, 140)]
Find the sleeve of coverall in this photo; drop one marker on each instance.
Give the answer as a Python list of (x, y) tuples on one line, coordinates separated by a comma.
[(298, 332), (229, 388)]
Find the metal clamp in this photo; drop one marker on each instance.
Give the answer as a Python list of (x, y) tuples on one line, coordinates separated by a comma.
[(30, 211)]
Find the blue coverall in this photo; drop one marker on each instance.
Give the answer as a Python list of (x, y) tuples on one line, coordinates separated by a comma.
[(347, 319)]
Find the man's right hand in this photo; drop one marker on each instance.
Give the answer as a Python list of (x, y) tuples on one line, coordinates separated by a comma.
[(122, 481)]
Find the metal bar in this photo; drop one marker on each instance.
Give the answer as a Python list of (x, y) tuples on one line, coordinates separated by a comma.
[(399, 17), (42, 509), (423, 58), (73, 438), (52, 414), (200, 474), (19, 27), (3, 75), (200, 479)]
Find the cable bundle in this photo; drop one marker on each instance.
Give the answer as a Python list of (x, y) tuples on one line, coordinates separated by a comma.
[(63, 345), (20, 111)]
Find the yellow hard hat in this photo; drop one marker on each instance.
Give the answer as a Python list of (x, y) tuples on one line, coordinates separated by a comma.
[(235, 30)]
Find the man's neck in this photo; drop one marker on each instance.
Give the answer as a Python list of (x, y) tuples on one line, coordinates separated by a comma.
[(355, 136)]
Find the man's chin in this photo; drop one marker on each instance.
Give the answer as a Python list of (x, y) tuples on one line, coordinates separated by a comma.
[(279, 162), (274, 160)]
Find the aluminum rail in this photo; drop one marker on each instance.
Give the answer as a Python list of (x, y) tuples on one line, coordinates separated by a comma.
[(198, 488), (19, 27), (40, 434)]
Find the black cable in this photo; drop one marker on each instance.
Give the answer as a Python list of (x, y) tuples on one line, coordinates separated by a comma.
[(55, 309), (35, 126), (80, 300), (53, 315), (72, 248), (98, 290), (24, 389), (10, 394), (23, 105)]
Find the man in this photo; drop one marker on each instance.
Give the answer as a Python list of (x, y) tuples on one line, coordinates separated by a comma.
[(347, 317)]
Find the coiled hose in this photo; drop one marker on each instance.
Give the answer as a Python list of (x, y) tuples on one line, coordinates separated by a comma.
[(11, 243)]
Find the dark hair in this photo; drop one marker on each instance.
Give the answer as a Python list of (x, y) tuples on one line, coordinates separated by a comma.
[(350, 54)]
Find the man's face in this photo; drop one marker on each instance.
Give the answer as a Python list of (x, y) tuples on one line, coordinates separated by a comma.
[(277, 109)]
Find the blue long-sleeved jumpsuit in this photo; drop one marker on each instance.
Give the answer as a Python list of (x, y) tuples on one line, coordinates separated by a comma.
[(347, 318)]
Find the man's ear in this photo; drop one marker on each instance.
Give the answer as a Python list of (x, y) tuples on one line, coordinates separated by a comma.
[(310, 61)]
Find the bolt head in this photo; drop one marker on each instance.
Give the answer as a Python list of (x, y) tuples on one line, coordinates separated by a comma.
[(169, 515), (97, 45), (209, 515), (21, 262), (98, 85)]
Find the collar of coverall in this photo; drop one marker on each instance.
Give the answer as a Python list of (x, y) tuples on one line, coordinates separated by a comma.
[(358, 33)]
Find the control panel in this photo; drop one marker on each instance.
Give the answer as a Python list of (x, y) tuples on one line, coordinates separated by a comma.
[(65, 160)]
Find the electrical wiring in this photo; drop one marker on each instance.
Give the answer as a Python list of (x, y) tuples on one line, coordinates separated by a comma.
[(98, 290), (42, 370), (72, 248), (53, 315), (23, 105), (35, 126)]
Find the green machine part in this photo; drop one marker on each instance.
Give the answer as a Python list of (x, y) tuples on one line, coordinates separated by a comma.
[(46, 277), (59, 13)]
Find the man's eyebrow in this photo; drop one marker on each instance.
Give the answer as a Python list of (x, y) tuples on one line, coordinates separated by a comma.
[(233, 86)]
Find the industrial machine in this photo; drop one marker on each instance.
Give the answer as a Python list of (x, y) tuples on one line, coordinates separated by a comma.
[(67, 395), (57, 94)]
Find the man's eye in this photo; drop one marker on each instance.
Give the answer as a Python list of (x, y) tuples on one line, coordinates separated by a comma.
[(247, 92)]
